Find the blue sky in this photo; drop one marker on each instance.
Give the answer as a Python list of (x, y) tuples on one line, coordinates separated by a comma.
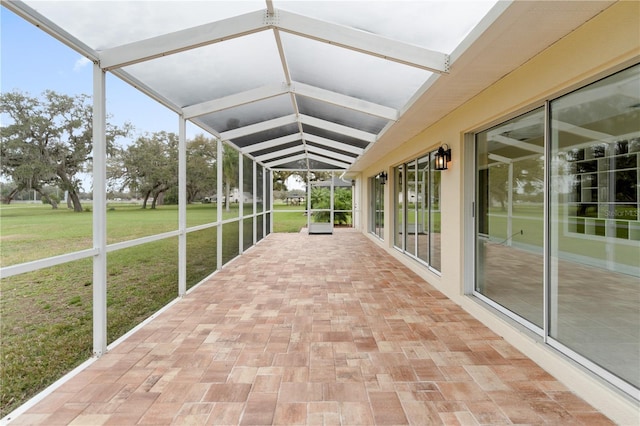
[(31, 61)]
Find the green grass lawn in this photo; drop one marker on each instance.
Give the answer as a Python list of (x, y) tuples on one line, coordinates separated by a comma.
[(46, 315), (287, 218)]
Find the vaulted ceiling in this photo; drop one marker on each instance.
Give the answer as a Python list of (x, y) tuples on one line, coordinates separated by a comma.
[(305, 85)]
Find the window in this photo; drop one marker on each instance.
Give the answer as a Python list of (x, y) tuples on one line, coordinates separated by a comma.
[(417, 206)]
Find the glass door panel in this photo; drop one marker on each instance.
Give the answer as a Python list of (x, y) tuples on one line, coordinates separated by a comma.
[(595, 223), (412, 213), (399, 203), (509, 215), (422, 208), (434, 215)]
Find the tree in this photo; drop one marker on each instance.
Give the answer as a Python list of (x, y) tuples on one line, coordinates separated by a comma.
[(280, 178), (201, 167), (229, 172), (49, 141), (148, 166)]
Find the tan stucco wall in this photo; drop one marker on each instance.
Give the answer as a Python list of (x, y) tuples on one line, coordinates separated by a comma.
[(600, 47)]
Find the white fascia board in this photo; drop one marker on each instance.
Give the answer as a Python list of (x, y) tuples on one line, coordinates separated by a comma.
[(333, 144), (271, 143), (280, 153), (331, 154), (286, 160), (344, 101), (242, 98), (259, 127), (337, 128), (329, 161), (361, 41), (179, 41)]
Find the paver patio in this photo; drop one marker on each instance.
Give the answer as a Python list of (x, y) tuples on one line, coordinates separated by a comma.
[(313, 329)]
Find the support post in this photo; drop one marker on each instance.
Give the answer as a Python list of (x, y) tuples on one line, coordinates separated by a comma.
[(219, 203), (255, 202), (240, 203), (99, 213), (510, 205), (182, 206)]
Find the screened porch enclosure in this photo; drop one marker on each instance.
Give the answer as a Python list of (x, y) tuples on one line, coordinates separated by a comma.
[(312, 88), (248, 75)]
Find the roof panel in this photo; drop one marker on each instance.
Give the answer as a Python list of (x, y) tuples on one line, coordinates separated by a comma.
[(213, 71), (344, 116), (439, 25), (265, 135), (251, 113), (105, 24), (328, 134), (351, 73)]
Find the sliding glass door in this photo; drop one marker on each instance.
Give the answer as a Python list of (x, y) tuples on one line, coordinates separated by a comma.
[(557, 224)]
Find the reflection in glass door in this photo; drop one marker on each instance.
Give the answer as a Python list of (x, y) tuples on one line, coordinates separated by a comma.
[(422, 208), (399, 206), (595, 224), (434, 215), (412, 214), (377, 207), (509, 215)]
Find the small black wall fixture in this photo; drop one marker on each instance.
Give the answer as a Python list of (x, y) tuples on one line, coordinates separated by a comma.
[(443, 156), (382, 177)]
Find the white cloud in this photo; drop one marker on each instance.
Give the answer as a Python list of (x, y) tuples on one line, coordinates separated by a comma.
[(80, 64)]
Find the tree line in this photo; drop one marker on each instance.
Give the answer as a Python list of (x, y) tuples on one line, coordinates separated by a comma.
[(49, 142)]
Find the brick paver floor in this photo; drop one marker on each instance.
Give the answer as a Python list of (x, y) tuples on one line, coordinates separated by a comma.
[(313, 329)]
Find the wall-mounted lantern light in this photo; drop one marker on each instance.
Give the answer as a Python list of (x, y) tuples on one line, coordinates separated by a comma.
[(382, 177), (443, 156)]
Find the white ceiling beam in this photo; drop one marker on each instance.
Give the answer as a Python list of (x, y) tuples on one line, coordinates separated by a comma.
[(337, 128), (500, 158), (331, 154), (259, 127), (271, 143), (286, 160), (270, 8), (518, 144), (581, 131), (179, 41), (361, 41), (345, 101), (249, 23), (235, 100), (333, 144), (329, 161), (280, 153)]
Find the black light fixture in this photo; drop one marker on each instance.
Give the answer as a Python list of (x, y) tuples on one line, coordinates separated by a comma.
[(443, 156), (382, 177)]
